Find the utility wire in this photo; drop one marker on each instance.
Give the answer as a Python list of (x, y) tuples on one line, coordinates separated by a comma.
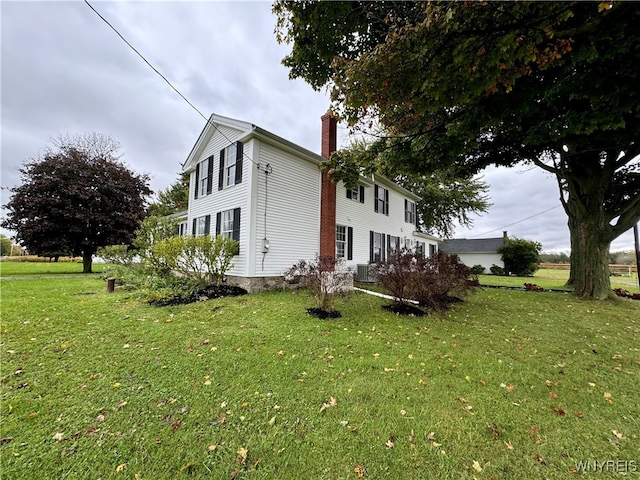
[(514, 223), (165, 79)]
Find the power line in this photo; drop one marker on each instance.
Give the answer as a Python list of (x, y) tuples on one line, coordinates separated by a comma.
[(165, 79), (515, 223)]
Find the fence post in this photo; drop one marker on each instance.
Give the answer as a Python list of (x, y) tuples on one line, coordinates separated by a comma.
[(111, 283), (637, 245)]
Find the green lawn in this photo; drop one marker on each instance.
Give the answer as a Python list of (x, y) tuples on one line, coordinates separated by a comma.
[(508, 385)]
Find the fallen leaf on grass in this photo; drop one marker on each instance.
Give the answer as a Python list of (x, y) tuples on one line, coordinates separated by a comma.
[(616, 433), (607, 397), (389, 444), (431, 437), (332, 403), (509, 445), (539, 459), (493, 428), (175, 425), (559, 411), (121, 468), (579, 415), (58, 437), (510, 388), (360, 471), (476, 466), (121, 404), (553, 394), (241, 457), (6, 440)]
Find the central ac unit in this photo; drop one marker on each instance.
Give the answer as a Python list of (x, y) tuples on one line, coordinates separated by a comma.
[(366, 273)]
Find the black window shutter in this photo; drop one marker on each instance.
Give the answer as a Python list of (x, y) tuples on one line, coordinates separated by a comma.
[(195, 223), (195, 190), (221, 171), (239, 157), (236, 228), (348, 193), (207, 224), (349, 243), (386, 202), (406, 210), (375, 199), (218, 222), (209, 174), (371, 258), (361, 194)]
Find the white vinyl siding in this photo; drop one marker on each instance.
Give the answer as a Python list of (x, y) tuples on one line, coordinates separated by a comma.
[(290, 196), (228, 198), (363, 220)]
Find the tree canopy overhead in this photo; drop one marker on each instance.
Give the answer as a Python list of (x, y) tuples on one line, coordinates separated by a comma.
[(78, 197), (459, 86)]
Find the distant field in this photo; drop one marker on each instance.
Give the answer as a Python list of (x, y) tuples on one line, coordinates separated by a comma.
[(555, 279), (44, 268)]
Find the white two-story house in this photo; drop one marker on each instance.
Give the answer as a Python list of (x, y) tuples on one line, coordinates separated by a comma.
[(270, 195)]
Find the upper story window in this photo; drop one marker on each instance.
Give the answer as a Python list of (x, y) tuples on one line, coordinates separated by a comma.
[(230, 165), (381, 200), (204, 178), (356, 194), (409, 212)]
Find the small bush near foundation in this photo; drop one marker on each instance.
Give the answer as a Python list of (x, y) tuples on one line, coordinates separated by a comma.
[(326, 278), (435, 282)]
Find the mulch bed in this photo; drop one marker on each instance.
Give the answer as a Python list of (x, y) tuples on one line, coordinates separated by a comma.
[(404, 309), (323, 314), (201, 295)]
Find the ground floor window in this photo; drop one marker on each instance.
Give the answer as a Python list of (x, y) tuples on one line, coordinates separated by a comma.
[(228, 224), (344, 242), (201, 226)]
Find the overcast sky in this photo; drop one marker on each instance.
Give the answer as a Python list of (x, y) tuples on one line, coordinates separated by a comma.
[(64, 71)]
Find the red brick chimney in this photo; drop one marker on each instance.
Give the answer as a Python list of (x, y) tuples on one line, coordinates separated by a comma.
[(328, 190)]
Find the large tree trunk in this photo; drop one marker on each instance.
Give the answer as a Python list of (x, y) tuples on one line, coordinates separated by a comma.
[(87, 260), (586, 182), (589, 274)]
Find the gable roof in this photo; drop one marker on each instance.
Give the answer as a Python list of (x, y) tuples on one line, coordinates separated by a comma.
[(475, 245), (246, 131)]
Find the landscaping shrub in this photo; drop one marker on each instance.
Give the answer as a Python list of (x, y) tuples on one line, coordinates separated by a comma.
[(169, 269), (477, 270), (326, 278), (204, 259), (521, 257), (496, 270), (435, 282)]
